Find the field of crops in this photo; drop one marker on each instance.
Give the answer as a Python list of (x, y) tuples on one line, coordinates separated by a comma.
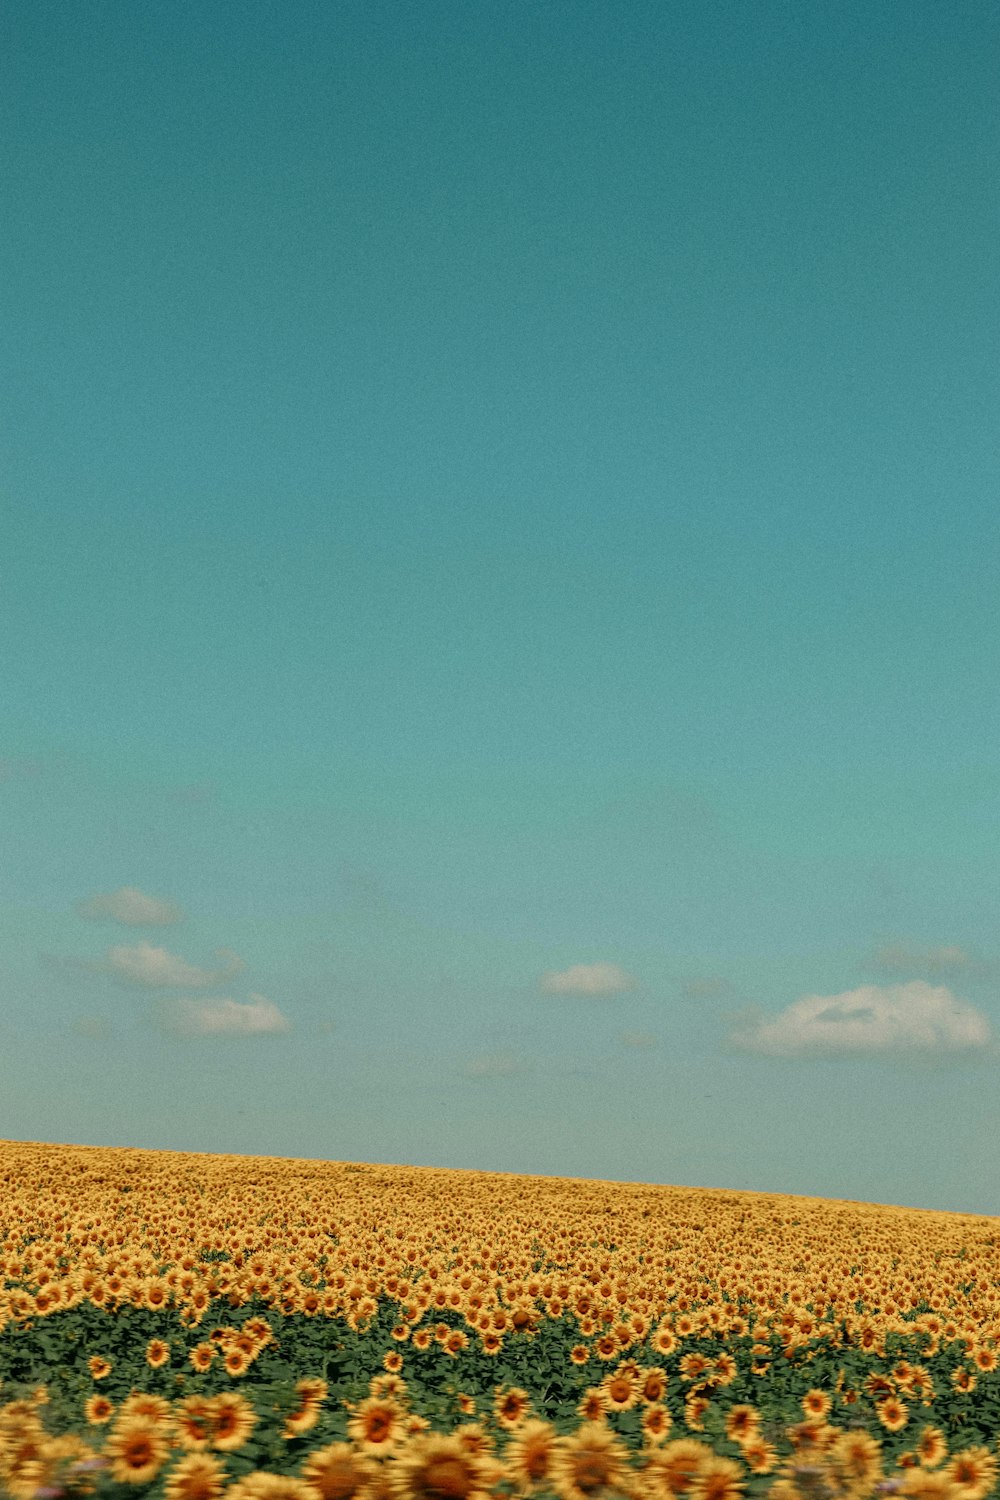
[(190, 1326)]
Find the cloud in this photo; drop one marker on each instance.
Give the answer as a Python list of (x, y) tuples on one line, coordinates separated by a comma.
[(587, 979), (937, 960), (637, 1039), (94, 1027), (493, 1065), (222, 1017), (129, 907), (19, 768), (705, 989), (154, 968), (909, 1018)]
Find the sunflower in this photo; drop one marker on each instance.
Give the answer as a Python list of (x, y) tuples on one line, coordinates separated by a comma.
[(98, 1410), (236, 1362), (672, 1469), (198, 1476), (512, 1407), (892, 1413), (857, 1458), (157, 1354), (652, 1384), (376, 1425), (664, 1340), (985, 1359), (392, 1361), (466, 1404), (932, 1447), (194, 1422), (201, 1357), (144, 1404), (401, 1332), (99, 1368), (579, 1354), (922, 1484), (489, 1343), (963, 1379), (973, 1472), (528, 1455), (592, 1404), (759, 1455), (694, 1365), (264, 1486), (620, 1390), (592, 1458), (438, 1467), (137, 1448), (421, 1338), (233, 1420), (695, 1408), (656, 1423), (816, 1403), (337, 1472), (718, 1479), (607, 1347), (742, 1424)]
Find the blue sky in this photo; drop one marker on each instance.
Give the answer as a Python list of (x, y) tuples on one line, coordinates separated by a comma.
[(498, 631)]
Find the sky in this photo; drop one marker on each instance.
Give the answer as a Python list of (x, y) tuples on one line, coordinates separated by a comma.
[(499, 553)]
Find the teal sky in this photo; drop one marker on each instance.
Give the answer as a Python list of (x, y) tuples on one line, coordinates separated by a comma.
[(499, 645)]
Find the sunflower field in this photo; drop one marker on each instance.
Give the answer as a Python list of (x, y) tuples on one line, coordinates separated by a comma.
[(191, 1326)]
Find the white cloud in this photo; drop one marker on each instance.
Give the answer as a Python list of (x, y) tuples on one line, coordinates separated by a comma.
[(903, 1018), (155, 968), (223, 1017), (94, 1027), (899, 956), (493, 1065), (129, 907), (637, 1039), (587, 979)]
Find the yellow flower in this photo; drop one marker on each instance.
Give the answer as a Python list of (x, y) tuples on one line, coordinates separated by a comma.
[(592, 1458), (137, 1448), (198, 1476)]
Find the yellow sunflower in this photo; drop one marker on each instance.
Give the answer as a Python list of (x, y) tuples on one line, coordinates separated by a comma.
[(593, 1404), (511, 1407), (157, 1354), (233, 1420), (98, 1410), (438, 1467), (857, 1458), (198, 1476), (932, 1447), (377, 1425), (137, 1449), (265, 1486), (620, 1391), (656, 1423), (759, 1455), (671, 1470), (99, 1368), (816, 1403), (528, 1455), (593, 1458), (718, 1479), (973, 1472), (742, 1423), (194, 1422), (652, 1384), (338, 1472), (892, 1413), (201, 1357)]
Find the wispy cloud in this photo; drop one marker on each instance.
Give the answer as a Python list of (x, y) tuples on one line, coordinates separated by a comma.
[(129, 907), (19, 768), (902, 1019), (152, 968), (187, 1017), (637, 1039), (587, 979), (94, 1027), (493, 1065), (708, 988), (936, 960)]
